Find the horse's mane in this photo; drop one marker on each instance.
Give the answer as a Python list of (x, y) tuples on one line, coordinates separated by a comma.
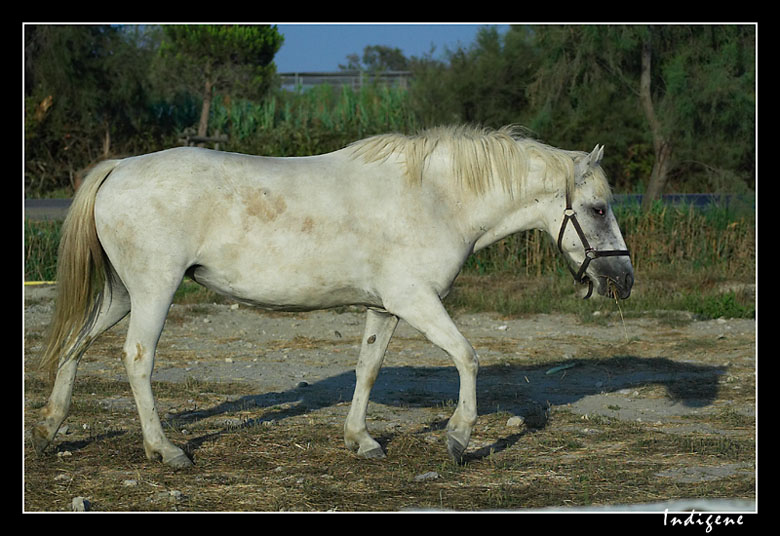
[(481, 158)]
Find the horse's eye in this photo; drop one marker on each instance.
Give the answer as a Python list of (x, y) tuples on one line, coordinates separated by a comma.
[(599, 211)]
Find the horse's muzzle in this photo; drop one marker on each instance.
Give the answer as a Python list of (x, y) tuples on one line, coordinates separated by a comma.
[(616, 285)]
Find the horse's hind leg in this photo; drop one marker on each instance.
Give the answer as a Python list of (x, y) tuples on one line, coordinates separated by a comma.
[(149, 309), (379, 328), (115, 306)]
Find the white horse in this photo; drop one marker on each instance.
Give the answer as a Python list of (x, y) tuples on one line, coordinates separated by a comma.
[(386, 223)]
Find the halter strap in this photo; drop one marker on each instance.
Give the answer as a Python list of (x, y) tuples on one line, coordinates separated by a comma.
[(590, 253)]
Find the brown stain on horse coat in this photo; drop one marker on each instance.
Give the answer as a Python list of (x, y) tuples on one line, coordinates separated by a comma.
[(263, 204)]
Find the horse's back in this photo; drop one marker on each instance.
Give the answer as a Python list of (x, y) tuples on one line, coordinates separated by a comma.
[(283, 232)]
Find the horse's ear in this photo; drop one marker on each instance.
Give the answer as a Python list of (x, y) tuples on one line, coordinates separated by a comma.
[(586, 163), (596, 155)]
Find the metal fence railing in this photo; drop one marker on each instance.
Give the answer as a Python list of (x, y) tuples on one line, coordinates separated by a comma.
[(353, 79)]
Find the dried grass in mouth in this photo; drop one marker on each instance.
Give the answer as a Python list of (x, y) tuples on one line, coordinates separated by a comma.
[(613, 290)]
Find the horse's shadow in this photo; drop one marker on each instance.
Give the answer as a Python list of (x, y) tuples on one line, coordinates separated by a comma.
[(528, 391)]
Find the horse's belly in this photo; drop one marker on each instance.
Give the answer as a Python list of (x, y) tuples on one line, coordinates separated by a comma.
[(284, 291)]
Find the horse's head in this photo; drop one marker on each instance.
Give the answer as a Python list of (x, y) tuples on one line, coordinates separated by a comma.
[(588, 234)]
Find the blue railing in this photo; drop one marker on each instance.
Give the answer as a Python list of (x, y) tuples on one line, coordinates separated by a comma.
[(697, 200)]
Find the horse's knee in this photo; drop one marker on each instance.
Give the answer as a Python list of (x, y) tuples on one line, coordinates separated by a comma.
[(470, 362), (133, 354)]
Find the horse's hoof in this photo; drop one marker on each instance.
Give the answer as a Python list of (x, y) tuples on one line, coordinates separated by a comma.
[(456, 450), (375, 453), (39, 439), (180, 461)]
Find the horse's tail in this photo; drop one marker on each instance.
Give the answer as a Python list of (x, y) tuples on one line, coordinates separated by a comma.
[(82, 269)]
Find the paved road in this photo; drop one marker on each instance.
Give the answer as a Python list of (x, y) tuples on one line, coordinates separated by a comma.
[(46, 209)]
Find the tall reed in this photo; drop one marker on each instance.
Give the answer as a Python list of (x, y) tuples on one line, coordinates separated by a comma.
[(684, 238), (320, 119)]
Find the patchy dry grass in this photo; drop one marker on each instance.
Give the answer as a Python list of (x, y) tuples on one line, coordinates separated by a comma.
[(296, 460)]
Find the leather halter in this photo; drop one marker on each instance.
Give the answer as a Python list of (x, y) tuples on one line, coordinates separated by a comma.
[(590, 253)]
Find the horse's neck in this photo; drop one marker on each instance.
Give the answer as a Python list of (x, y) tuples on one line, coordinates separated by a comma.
[(506, 219), (482, 218)]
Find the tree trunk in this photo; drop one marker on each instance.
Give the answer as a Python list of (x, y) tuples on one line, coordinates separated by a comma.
[(661, 146), (106, 140), (203, 126), (658, 176)]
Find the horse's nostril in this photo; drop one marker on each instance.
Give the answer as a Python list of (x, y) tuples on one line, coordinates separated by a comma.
[(629, 281)]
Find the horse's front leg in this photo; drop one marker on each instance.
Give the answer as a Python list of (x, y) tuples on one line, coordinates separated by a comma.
[(379, 329), (425, 312)]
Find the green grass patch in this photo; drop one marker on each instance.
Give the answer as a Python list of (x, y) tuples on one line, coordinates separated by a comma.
[(722, 305), (41, 240)]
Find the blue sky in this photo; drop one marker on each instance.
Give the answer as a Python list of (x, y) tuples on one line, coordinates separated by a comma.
[(322, 47)]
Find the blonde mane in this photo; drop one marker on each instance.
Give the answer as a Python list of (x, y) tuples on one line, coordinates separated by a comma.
[(481, 158)]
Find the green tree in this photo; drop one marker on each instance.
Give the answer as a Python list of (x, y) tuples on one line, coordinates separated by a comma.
[(706, 102), (84, 88), (377, 58), (485, 82), (234, 58), (687, 92)]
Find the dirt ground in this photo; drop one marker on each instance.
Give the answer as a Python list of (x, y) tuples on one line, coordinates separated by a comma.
[(677, 376)]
